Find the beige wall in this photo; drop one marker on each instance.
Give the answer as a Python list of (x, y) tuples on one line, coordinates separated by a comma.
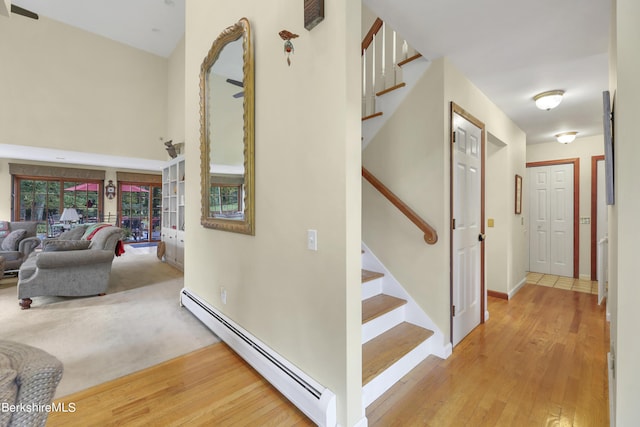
[(626, 232), (411, 156), (510, 228), (73, 90), (175, 94), (584, 149), (408, 155), (303, 304)]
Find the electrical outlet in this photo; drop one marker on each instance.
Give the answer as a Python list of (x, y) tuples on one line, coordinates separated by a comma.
[(223, 295), (312, 240)]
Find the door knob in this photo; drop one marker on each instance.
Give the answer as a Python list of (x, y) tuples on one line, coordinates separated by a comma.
[(481, 237)]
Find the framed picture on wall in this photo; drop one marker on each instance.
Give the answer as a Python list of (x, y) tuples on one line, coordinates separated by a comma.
[(518, 194)]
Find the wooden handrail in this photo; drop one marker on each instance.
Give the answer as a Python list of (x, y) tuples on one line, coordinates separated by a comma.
[(368, 39), (430, 234)]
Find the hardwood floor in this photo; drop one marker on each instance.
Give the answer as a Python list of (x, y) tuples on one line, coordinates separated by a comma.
[(540, 360), (211, 386)]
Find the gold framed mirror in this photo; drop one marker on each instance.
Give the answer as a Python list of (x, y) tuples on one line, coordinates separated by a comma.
[(227, 132)]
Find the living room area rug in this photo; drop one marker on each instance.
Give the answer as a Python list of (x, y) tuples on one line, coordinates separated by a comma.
[(138, 324)]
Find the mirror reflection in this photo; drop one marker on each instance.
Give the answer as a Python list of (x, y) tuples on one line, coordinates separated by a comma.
[(226, 133), (226, 139)]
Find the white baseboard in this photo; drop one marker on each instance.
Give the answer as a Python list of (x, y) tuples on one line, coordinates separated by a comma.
[(316, 401), (362, 423)]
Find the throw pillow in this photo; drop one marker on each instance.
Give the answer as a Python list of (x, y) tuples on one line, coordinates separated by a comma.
[(8, 387), (64, 245), (4, 228), (10, 243), (73, 234)]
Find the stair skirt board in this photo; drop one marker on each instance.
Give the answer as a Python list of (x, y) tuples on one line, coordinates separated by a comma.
[(316, 401), (380, 384), (414, 313)]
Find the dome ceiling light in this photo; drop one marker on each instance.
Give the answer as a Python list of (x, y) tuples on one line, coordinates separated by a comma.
[(548, 100), (566, 137)]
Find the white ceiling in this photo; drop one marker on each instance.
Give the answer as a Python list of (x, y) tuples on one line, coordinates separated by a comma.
[(511, 50), (155, 26)]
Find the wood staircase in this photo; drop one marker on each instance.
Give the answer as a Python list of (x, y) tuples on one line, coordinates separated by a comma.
[(390, 69), (391, 345)]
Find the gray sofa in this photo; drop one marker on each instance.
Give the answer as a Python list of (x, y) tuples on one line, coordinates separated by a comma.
[(17, 254), (69, 267), (28, 381)]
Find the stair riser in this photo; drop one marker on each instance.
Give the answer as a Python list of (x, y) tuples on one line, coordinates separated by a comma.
[(383, 382), (382, 324), (371, 288)]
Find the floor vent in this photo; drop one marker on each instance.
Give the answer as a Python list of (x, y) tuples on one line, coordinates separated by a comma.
[(317, 402)]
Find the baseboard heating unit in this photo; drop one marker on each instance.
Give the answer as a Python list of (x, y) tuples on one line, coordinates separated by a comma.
[(316, 401)]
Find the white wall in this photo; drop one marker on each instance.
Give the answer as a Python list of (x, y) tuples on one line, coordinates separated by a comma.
[(624, 215), (584, 149), (303, 304)]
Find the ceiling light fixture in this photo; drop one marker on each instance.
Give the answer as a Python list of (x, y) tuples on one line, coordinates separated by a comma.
[(566, 137), (548, 100)]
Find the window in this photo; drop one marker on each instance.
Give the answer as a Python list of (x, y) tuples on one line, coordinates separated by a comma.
[(225, 200), (44, 199)]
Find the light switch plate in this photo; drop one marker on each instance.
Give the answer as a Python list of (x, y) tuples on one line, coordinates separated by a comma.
[(312, 240)]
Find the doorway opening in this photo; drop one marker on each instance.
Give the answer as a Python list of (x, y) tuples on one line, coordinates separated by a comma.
[(554, 195), (140, 211)]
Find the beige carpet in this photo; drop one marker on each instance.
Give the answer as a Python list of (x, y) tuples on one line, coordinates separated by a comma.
[(139, 323)]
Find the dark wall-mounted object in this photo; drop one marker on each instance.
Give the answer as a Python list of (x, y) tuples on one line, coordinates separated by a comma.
[(607, 120), (313, 13)]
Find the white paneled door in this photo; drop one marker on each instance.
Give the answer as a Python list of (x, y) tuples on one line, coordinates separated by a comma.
[(467, 228), (551, 219)]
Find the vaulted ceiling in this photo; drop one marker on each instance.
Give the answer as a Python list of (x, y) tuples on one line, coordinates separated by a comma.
[(511, 50)]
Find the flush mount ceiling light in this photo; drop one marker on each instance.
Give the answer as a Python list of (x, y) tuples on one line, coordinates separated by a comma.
[(566, 137), (548, 100)]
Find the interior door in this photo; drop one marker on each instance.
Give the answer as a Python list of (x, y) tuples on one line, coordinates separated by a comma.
[(467, 237), (551, 219), (539, 220)]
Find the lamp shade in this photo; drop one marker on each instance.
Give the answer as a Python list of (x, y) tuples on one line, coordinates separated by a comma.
[(69, 214), (548, 100), (566, 137)]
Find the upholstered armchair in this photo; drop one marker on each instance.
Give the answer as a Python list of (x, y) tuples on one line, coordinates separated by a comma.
[(69, 268), (17, 241)]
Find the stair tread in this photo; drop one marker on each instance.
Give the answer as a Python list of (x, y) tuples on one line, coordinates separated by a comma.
[(386, 349), (378, 305), (370, 275)]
